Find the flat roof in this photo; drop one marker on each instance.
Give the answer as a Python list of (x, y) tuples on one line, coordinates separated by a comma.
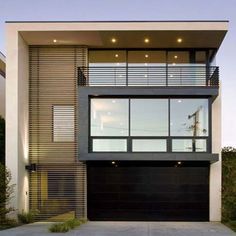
[(128, 34)]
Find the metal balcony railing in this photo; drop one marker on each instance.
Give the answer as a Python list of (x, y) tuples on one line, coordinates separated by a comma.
[(149, 76)]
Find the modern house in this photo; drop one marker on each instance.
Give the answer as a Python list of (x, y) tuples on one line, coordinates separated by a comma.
[(115, 120), (2, 85)]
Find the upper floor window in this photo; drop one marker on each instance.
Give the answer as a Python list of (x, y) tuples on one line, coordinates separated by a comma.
[(149, 125), (63, 123)]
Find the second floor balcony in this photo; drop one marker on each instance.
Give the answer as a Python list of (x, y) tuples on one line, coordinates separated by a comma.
[(166, 76)]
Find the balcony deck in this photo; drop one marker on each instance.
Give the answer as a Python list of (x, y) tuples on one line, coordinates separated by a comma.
[(165, 76)]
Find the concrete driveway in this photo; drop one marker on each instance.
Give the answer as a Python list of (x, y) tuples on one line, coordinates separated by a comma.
[(128, 229)]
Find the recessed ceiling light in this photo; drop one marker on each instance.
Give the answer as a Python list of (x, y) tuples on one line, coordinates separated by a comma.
[(146, 55), (146, 40), (179, 40), (113, 162), (175, 56), (113, 40), (116, 55), (179, 162), (54, 40)]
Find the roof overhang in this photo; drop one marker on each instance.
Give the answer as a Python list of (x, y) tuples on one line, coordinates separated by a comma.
[(162, 34)]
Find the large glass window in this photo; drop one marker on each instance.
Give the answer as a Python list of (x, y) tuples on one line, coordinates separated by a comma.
[(189, 117), (109, 117), (144, 125), (149, 117)]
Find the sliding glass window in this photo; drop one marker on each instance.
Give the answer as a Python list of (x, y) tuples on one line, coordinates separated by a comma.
[(107, 67), (147, 68)]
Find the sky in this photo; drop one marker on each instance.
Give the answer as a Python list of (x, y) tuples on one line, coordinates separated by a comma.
[(156, 10)]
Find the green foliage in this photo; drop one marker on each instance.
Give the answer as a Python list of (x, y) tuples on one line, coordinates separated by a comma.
[(83, 220), (6, 194), (67, 225), (27, 217), (228, 184), (231, 224), (59, 227), (2, 140)]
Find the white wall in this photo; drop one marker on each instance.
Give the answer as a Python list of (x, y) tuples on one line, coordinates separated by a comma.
[(17, 116), (215, 169)]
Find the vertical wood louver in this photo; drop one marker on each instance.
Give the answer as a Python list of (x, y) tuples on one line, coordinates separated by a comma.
[(57, 188)]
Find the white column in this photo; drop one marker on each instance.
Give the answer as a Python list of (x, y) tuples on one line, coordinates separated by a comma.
[(215, 169), (17, 76)]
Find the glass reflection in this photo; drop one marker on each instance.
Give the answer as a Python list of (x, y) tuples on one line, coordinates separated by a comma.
[(189, 117), (149, 145), (149, 117), (109, 145), (109, 117)]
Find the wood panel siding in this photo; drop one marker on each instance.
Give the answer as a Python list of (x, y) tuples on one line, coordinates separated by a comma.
[(57, 188)]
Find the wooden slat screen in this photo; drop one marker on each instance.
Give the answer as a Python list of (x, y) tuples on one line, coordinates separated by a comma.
[(58, 187)]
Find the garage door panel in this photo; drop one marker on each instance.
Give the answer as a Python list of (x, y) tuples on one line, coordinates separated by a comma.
[(148, 191)]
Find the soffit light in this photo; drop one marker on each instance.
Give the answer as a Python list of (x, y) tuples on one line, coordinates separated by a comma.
[(113, 40), (175, 56), (116, 55), (179, 40), (54, 40), (146, 40), (146, 55)]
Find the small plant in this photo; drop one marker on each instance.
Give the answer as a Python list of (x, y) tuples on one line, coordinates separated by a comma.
[(28, 217), (73, 223), (67, 225), (6, 194), (59, 228)]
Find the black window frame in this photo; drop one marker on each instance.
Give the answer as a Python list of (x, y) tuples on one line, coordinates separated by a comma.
[(168, 138)]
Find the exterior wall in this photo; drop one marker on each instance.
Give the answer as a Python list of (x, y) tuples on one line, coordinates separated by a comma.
[(57, 187), (2, 96), (17, 117), (215, 169)]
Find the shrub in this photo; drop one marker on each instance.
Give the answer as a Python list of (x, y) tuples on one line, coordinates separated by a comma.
[(59, 227), (28, 217), (228, 184), (2, 140), (6, 194), (66, 226), (73, 223)]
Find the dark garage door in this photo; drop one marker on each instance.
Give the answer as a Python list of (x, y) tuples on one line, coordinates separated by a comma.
[(148, 191)]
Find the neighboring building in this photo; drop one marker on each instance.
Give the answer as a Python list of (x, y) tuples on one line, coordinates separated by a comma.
[(2, 85), (115, 120)]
